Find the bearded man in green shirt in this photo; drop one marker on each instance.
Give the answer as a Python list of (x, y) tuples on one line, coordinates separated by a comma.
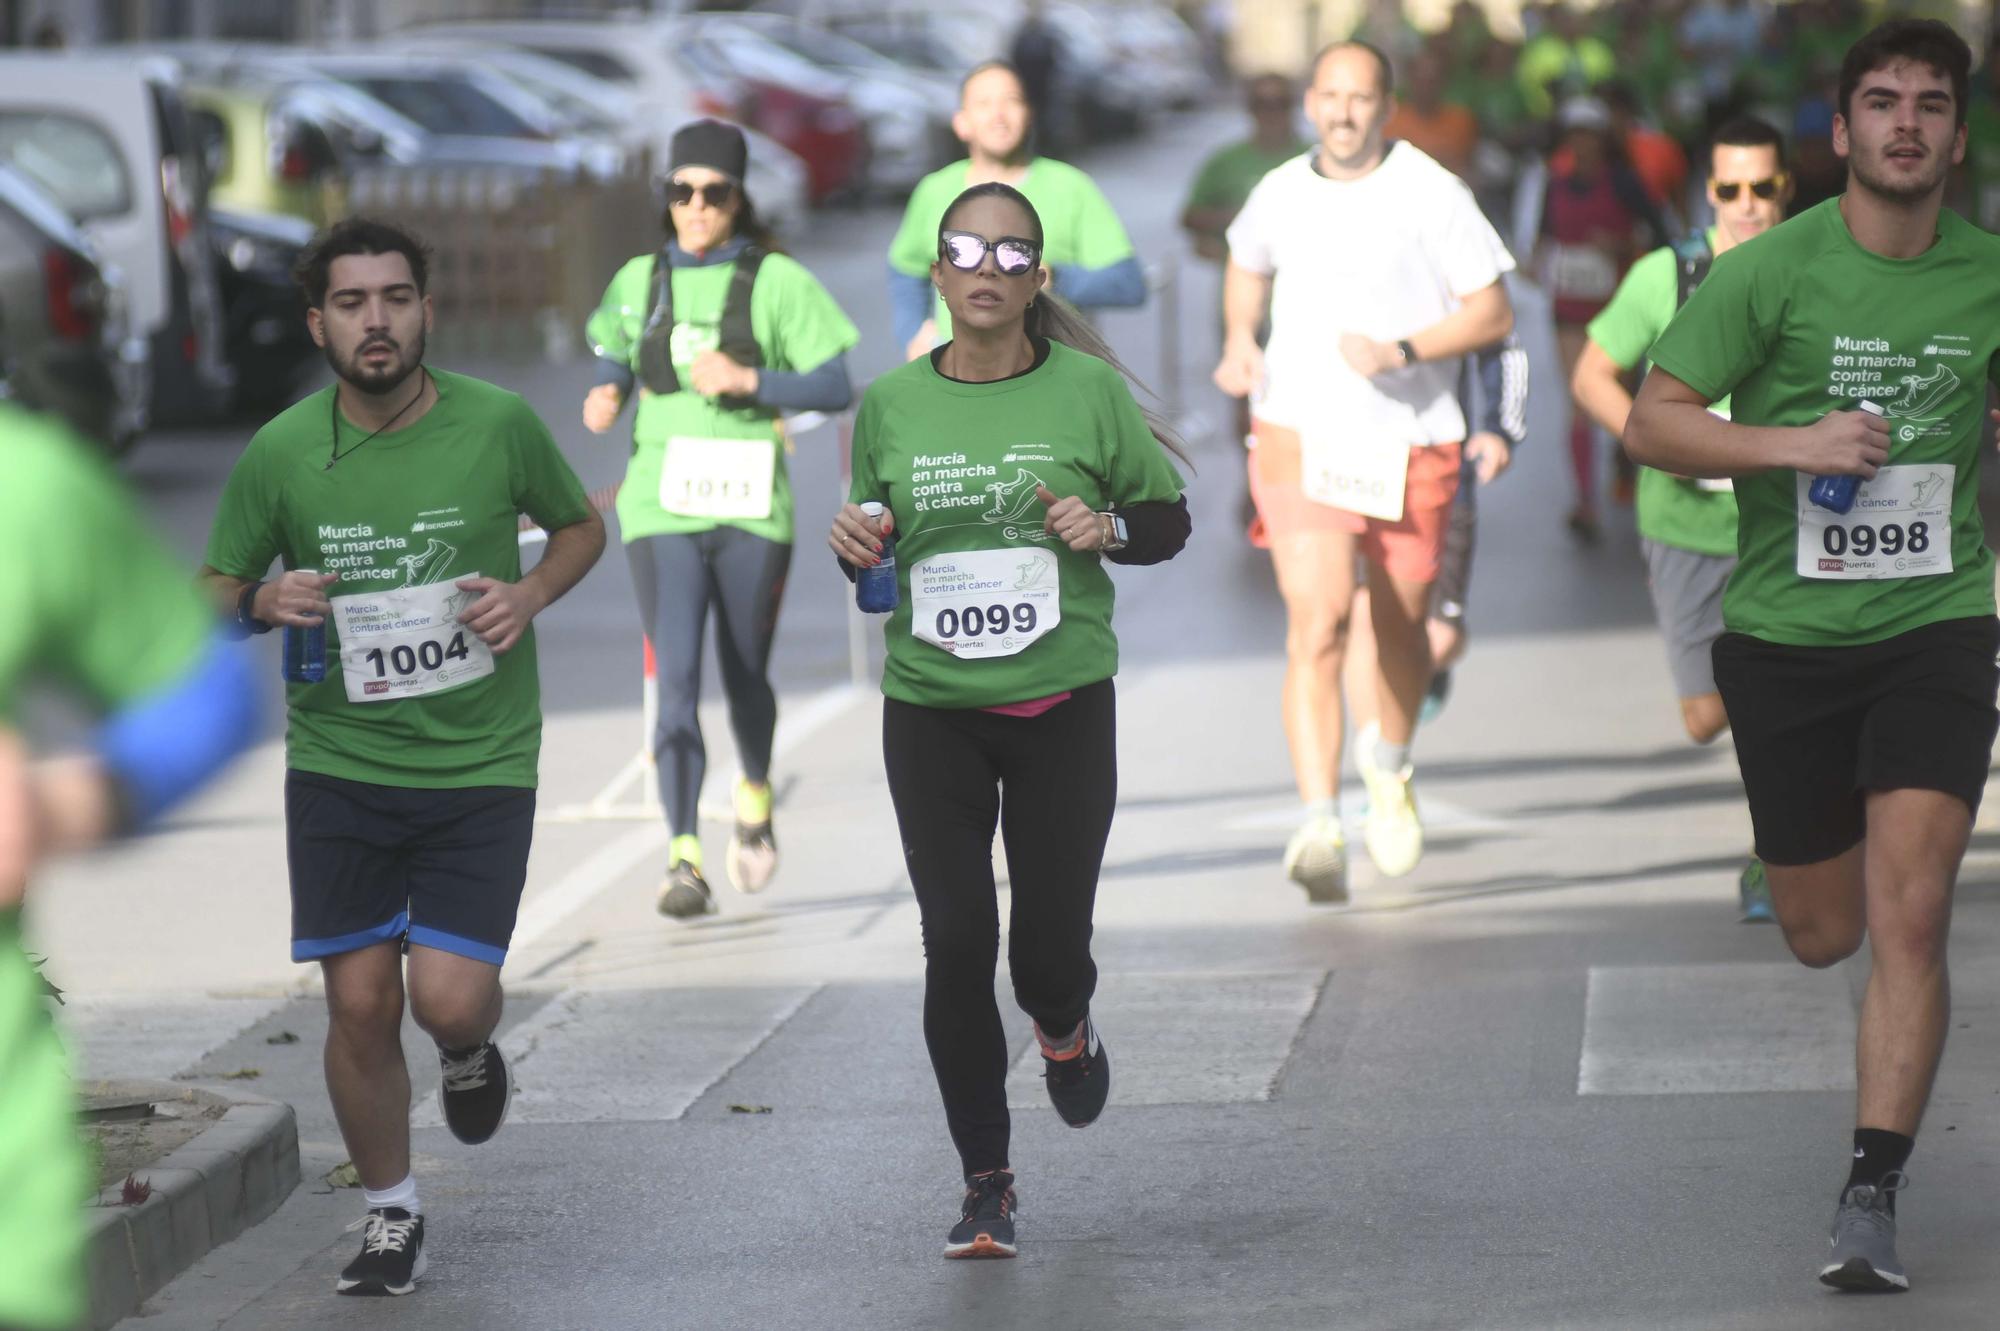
[(1085, 247), (392, 500), (1857, 341)]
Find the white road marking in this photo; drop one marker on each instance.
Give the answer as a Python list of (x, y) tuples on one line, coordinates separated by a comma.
[(1716, 1029)]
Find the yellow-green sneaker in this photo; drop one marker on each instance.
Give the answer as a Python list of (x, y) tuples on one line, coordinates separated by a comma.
[(1316, 859), (1392, 831)]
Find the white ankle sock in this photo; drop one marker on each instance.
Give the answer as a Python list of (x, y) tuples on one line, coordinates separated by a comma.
[(1321, 809), (1391, 757), (402, 1196)]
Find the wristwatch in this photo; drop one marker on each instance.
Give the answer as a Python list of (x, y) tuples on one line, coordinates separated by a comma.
[(247, 623), (1406, 351), (1115, 534)]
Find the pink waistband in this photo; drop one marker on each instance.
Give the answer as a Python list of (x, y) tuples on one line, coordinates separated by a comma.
[(1032, 707)]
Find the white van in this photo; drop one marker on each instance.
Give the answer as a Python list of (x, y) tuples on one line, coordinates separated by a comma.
[(109, 140)]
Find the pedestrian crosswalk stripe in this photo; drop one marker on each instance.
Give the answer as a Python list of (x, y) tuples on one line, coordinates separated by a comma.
[(1711, 1029), (1186, 1039)]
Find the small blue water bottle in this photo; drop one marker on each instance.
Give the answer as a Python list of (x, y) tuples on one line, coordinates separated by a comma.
[(875, 588), (1836, 493), (305, 651)]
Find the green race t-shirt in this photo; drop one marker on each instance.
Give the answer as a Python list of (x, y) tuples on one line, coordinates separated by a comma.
[(798, 327), (91, 601), (1673, 510), (418, 507), (1227, 177), (1078, 224), (957, 464), (1802, 320)]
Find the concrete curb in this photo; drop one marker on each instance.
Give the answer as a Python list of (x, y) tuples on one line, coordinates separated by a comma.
[(204, 1194)]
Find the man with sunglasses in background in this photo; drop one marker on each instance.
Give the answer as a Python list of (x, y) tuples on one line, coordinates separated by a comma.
[(1380, 274), (1687, 527), (1084, 245)]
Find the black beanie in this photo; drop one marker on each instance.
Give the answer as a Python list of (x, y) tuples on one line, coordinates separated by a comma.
[(712, 144)]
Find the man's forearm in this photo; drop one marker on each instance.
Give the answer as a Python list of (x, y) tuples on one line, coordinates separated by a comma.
[(571, 552), (1245, 296), (1688, 439), (222, 589), (1480, 320)]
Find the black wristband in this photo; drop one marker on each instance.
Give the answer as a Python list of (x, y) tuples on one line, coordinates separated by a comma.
[(246, 621), (1409, 351)]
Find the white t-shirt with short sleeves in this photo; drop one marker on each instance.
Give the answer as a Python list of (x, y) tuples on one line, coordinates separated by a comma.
[(1386, 256)]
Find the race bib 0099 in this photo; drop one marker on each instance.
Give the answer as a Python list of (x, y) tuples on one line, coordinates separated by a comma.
[(406, 642), (985, 603)]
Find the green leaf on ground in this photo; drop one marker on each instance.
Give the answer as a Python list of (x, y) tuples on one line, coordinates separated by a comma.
[(749, 1109), (282, 1037), (344, 1176), (243, 1074)]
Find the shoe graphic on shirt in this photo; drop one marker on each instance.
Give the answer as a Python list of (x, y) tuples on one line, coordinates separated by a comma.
[(428, 565), (1922, 392), (1926, 491), (1014, 500), (1030, 575)]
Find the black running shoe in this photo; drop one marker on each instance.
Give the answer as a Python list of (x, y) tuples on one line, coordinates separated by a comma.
[(684, 894), (1079, 1085), (985, 1225), (392, 1254), (476, 1092)]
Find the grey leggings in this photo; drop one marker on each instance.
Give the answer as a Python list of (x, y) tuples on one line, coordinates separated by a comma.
[(677, 578)]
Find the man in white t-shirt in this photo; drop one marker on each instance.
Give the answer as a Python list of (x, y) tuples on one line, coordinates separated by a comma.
[(1379, 273)]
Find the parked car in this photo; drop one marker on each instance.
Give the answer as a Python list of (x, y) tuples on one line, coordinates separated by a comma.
[(908, 117), (643, 55), (260, 157), (110, 142), (584, 104), (64, 344), (264, 314)]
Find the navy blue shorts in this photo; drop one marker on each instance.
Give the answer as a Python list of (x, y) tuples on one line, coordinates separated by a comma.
[(376, 864)]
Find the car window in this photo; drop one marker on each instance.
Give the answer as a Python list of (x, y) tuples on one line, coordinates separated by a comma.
[(74, 159), (599, 63), (443, 104)]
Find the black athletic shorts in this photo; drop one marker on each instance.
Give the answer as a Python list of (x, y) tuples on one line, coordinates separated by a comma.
[(1818, 727), (374, 864)]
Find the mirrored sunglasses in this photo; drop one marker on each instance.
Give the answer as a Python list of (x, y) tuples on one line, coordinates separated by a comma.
[(1764, 189), (1012, 255)]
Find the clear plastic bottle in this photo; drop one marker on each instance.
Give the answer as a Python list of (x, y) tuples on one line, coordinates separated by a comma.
[(875, 588), (305, 651), (1836, 493)]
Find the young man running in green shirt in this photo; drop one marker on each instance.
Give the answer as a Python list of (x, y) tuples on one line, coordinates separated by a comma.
[(393, 499), (1858, 667), (91, 602), (1086, 248), (1687, 526)]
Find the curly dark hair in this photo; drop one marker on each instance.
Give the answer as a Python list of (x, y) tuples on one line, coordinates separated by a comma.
[(357, 235)]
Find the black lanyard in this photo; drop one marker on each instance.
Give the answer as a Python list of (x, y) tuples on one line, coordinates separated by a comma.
[(333, 420)]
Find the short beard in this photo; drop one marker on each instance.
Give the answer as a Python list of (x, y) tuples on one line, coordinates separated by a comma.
[(1894, 191), (378, 383)]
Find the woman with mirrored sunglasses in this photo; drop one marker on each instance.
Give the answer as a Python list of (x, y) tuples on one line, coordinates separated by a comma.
[(721, 335), (1012, 461)]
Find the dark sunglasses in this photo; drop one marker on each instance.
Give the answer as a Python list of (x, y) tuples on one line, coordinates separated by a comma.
[(1763, 189), (965, 251), (716, 194)]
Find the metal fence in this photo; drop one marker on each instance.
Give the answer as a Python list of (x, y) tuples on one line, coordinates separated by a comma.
[(519, 261)]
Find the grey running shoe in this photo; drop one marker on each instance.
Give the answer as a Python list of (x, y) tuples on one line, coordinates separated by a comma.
[(1864, 1240), (684, 893)]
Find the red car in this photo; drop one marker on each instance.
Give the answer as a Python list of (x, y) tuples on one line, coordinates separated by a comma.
[(794, 101)]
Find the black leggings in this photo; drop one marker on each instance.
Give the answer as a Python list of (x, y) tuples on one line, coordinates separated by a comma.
[(677, 578), (1050, 782)]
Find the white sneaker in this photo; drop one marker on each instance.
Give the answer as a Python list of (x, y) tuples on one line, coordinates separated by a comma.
[(1392, 830), (1316, 859)]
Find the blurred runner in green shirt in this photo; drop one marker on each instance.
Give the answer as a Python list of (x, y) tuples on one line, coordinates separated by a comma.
[(1085, 247), (1230, 173), (89, 601)]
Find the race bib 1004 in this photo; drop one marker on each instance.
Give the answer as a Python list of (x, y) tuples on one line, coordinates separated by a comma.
[(406, 642), (718, 478), (1899, 527), (1362, 477), (984, 603)]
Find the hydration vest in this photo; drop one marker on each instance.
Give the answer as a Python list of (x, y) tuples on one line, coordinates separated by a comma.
[(737, 341), (1692, 260)]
